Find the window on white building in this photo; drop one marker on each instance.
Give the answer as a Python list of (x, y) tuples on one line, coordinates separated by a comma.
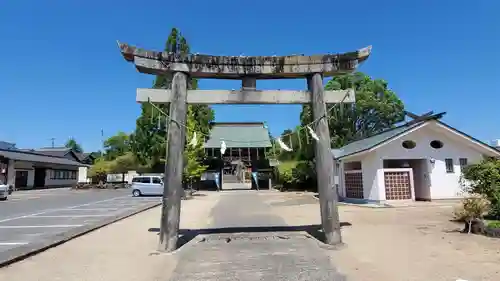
[(409, 144), (63, 175), (463, 163), (436, 144), (449, 165)]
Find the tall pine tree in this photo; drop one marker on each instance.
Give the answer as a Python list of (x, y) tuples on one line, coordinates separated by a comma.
[(194, 153), (148, 142)]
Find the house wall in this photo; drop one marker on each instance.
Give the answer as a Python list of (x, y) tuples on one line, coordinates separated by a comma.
[(51, 182), (338, 171), (373, 177), (372, 172), (345, 165), (30, 168), (26, 166), (443, 185)]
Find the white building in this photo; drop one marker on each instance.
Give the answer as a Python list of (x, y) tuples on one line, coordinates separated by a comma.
[(64, 152), (420, 160), (27, 169)]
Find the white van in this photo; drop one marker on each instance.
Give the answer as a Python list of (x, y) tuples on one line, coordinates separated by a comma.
[(147, 185)]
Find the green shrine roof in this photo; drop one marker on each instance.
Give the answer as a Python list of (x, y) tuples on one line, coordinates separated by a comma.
[(247, 134)]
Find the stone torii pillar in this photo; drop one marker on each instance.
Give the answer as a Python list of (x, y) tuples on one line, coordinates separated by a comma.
[(248, 70), (173, 190), (324, 163)]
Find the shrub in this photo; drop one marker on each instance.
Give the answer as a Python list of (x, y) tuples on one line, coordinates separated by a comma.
[(287, 177), (472, 209), (484, 178), (494, 224), (297, 175), (100, 170)]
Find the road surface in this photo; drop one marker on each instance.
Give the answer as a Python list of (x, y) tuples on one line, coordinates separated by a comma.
[(32, 216)]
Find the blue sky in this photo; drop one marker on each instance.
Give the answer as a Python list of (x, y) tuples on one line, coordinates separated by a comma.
[(61, 73)]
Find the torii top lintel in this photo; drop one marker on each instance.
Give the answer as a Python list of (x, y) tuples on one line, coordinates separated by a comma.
[(239, 67)]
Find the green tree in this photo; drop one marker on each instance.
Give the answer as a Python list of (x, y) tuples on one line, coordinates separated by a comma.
[(116, 146), (299, 141), (99, 170), (484, 179), (148, 142), (193, 154), (275, 150), (124, 163), (377, 108), (292, 139), (74, 145)]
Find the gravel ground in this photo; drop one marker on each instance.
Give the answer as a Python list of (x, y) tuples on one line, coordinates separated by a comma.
[(414, 243)]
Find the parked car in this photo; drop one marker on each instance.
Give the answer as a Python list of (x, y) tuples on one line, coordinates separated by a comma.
[(4, 191), (147, 185)]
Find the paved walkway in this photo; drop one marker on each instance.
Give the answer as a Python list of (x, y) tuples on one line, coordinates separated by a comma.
[(126, 250), (243, 208), (245, 244)]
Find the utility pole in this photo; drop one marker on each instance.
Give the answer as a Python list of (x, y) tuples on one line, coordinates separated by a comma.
[(52, 140), (102, 140)]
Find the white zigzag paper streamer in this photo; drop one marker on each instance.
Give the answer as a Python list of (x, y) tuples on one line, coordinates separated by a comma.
[(222, 147), (283, 145), (313, 134), (194, 140)]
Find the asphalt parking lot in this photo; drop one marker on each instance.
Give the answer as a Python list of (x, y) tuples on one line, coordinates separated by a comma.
[(32, 216)]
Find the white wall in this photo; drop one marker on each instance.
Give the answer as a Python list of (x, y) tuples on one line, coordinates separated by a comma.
[(443, 185), (82, 175), (119, 177), (373, 177)]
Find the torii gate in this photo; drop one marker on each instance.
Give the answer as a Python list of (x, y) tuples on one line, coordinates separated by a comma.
[(248, 69)]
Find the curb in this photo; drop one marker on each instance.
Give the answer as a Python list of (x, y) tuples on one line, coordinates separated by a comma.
[(26, 251)]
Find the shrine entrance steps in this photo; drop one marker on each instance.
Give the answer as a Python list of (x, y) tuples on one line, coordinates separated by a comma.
[(235, 186), (230, 178)]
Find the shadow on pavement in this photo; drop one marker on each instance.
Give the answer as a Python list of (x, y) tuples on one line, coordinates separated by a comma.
[(187, 235)]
